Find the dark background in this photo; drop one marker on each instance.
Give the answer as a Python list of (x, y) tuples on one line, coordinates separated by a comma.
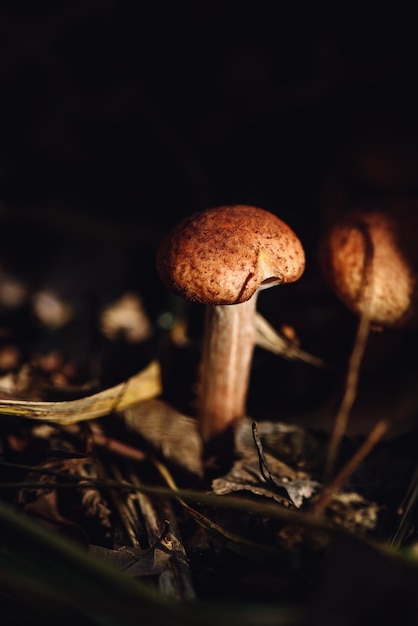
[(143, 112), (119, 118)]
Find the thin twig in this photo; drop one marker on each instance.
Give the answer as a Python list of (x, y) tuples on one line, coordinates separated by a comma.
[(406, 511), (358, 457), (116, 447), (354, 364), (175, 580)]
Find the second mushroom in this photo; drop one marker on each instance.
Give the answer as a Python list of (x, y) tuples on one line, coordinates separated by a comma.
[(222, 258)]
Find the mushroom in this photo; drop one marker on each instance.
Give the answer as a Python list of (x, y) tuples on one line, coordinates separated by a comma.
[(222, 258), (369, 257), (381, 235)]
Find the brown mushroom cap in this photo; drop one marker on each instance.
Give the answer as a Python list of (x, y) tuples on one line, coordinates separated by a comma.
[(391, 235), (224, 255)]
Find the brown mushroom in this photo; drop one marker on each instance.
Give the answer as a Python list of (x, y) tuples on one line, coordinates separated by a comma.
[(383, 234), (222, 258), (369, 257)]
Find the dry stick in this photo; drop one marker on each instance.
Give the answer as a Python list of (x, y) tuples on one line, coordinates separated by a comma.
[(116, 447), (406, 511), (206, 523), (162, 531), (175, 580), (123, 502), (356, 358), (358, 457), (350, 395)]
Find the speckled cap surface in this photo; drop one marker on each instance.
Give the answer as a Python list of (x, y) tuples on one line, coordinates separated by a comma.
[(224, 255), (390, 233)]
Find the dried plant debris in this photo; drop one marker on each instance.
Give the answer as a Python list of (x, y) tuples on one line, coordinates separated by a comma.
[(126, 318), (13, 290), (50, 310), (171, 433), (146, 384), (293, 444), (278, 343), (38, 495), (134, 561), (265, 475), (353, 512), (17, 383), (284, 485)]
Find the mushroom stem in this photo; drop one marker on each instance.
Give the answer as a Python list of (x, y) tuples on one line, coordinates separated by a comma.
[(228, 346)]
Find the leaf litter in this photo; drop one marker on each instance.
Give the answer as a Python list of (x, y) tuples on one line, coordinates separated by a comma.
[(110, 485)]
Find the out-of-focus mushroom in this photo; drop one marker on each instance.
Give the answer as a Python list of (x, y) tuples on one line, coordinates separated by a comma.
[(369, 257), (222, 258), (384, 235)]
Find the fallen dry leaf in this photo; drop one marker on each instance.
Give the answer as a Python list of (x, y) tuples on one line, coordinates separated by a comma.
[(286, 486), (146, 384), (171, 433)]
